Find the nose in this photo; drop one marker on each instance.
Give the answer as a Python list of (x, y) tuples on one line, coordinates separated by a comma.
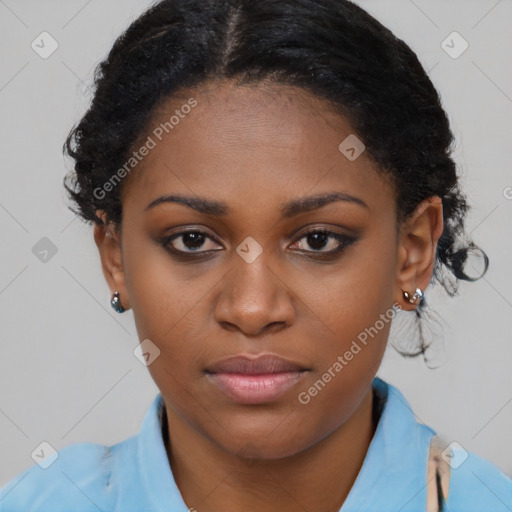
[(254, 299)]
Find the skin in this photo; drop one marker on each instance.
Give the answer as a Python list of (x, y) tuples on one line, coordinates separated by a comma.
[(255, 148)]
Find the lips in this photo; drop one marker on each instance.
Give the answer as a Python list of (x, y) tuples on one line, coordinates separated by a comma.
[(263, 365), (255, 380)]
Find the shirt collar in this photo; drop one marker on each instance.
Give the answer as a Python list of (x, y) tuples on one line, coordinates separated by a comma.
[(396, 458), (155, 472)]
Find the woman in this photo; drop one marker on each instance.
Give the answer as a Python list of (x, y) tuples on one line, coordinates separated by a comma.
[(270, 184)]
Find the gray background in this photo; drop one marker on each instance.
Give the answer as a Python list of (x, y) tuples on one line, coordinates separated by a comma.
[(67, 371)]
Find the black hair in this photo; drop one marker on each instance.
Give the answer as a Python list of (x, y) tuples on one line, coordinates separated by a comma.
[(331, 48)]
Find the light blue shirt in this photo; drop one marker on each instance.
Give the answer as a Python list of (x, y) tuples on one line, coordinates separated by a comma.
[(135, 475)]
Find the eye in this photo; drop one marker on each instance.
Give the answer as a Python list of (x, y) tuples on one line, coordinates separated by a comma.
[(319, 239), (188, 242)]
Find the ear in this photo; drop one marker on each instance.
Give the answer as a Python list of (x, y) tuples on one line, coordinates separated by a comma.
[(417, 245), (109, 245)]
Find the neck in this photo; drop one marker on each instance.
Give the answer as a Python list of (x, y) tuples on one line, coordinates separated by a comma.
[(318, 478)]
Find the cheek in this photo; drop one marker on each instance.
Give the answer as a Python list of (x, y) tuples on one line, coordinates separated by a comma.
[(351, 295), (161, 291), (355, 303), (167, 306)]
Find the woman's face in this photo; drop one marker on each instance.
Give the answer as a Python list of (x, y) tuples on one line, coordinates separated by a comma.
[(255, 282)]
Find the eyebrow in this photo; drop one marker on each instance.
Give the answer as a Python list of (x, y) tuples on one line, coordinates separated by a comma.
[(288, 209)]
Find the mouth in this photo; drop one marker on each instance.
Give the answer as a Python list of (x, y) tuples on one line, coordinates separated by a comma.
[(250, 380)]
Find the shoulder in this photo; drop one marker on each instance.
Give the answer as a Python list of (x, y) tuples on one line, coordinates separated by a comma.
[(78, 479), (474, 485), (477, 485)]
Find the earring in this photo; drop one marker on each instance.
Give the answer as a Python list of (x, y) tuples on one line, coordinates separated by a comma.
[(115, 302), (418, 296)]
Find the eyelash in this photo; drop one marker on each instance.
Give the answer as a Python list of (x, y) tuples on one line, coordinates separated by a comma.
[(345, 241)]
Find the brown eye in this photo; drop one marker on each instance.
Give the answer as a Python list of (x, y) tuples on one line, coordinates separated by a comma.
[(316, 240), (189, 242)]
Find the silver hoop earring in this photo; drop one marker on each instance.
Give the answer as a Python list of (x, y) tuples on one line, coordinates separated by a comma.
[(115, 302), (417, 296)]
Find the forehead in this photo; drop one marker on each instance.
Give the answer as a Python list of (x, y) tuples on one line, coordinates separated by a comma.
[(228, 141)]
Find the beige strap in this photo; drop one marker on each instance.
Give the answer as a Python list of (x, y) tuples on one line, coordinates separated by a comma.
[(438, 477)]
